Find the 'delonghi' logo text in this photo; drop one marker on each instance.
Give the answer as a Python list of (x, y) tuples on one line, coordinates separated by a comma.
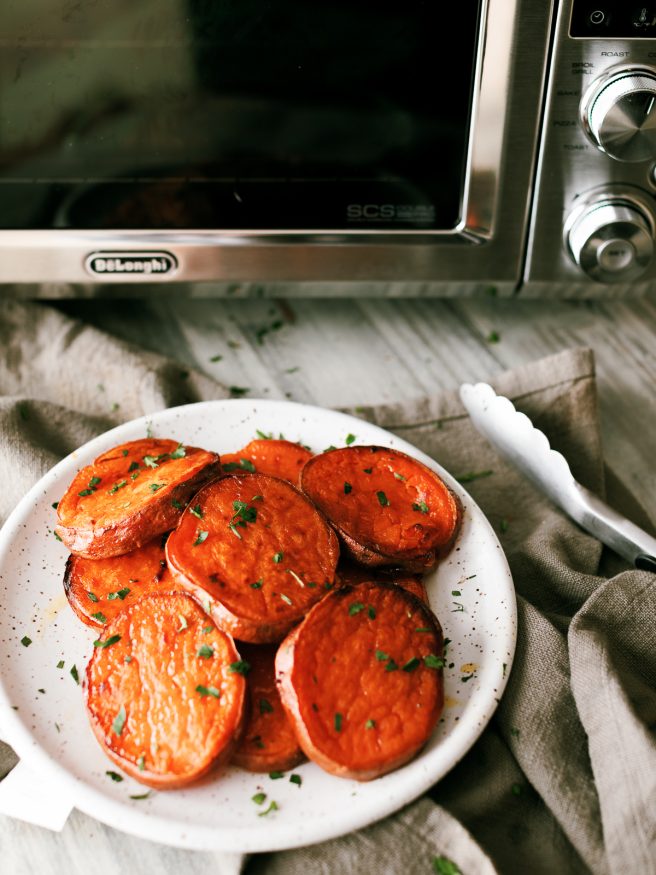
[(135, 264)]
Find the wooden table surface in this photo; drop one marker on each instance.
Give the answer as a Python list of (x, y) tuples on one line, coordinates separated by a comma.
[(344, 352)]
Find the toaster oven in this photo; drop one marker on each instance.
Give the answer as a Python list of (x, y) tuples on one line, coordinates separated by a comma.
[(450, 148)]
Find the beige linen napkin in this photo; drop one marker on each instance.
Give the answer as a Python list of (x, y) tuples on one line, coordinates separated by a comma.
[(564, 778)]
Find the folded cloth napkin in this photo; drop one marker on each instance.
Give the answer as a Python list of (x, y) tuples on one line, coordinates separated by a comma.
[(564, 778)]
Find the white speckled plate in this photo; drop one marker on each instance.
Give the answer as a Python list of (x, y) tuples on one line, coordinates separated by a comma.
[(41, 709)]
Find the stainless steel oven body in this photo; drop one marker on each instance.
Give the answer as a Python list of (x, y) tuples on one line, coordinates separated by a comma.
[(387, 239)]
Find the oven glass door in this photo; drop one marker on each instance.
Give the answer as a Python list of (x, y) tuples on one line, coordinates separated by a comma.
[(300, 115)]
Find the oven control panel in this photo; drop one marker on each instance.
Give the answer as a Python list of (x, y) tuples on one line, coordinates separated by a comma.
[(593, 222)]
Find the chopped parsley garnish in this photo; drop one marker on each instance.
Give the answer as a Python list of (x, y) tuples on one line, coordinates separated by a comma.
[(55, 505), (208, 691), (239, 667), (259, 798), (183, 623), (266, 707), (338, 722), (134, 466), (432, 661), (141, 763), (421, 506), (179, 452), (355, 608), (467, 678), (60, 664), (399, 476), (239, 391), (459, 608), (277, 558), (127, 660), (113, 639), (201, 536), (242, 464), (152, 461), (216, 358), (119, 594), (347, 487), (93, 485), (275, 775), (145, 795), (382, 499), (286, 599), (114, 776), (257, 584), (57, 536), (244, 512), (99, 616), (176, 504), (381, 656), (205, 652), (75, 675), (134, 475), (234, 531), (391, 666), (25, 641), (117, 486), (155, 486), (444, 866), (469, 476), (263, 435), (367, 470), (329, 449), (456, 592), (272, 807), (411, 664), (371, 612), (295, 779), (423, 629), (207, 629), (197, 512), (493, 337), (370, 724), (119, 721), (92, 596), (350, 439)]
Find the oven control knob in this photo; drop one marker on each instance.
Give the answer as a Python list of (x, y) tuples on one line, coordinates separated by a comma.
[(611, 240), (619, 115)]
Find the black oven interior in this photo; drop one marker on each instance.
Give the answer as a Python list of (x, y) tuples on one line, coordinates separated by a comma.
[(235, 114)]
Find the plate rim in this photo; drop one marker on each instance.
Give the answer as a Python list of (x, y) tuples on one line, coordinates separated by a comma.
[(140, 822)]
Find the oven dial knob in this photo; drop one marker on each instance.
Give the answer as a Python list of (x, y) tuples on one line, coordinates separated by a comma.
[(611, 241), (619, 115)]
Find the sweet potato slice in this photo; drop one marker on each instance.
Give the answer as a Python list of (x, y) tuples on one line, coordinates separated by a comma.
[(349, 574), (97, 589), (268, 743), (165, 691), (130, 494), (361, 679), (387, 508), (278, 458), (256, 552)]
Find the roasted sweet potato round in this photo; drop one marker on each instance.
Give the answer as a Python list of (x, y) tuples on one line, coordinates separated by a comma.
[(387, 508), (165, 691), (97, 589), (268, 743), (361, 679), (278, 458), (257, 552), (131, 494)]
